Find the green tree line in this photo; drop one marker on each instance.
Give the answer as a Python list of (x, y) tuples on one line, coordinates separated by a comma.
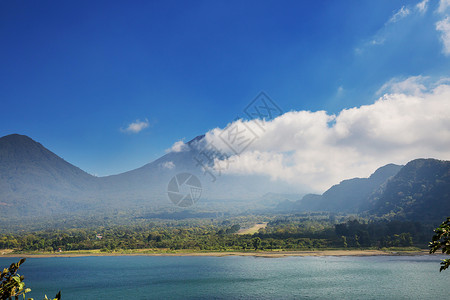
[(289, 233)]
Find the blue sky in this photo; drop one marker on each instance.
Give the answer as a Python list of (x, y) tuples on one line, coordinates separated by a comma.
[(75, 75)]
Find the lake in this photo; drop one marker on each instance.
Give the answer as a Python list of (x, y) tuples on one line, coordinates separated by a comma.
[(235, 277)]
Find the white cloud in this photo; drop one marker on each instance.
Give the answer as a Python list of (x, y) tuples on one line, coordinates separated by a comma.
[(318, 149), (444, 27), (168, 165), (413, 85), (379, 40), (443, 5), (422, 6), (136, 127), (400, 14), (177, 147), (380, 37)]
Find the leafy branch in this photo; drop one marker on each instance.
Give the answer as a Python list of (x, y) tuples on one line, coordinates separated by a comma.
[(441, 240), (12, 284)]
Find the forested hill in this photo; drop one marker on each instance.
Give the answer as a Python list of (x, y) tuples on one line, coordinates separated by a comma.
[(420, 191)]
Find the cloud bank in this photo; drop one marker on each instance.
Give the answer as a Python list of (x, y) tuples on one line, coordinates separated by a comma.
[(317, 149)]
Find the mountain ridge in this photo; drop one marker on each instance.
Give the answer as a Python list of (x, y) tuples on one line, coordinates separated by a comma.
[(350, 195), (420, 190), (35, 181), (49, 181)]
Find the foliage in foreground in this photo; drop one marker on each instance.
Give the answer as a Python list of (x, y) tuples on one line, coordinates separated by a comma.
[(12, 284), (441, 240)]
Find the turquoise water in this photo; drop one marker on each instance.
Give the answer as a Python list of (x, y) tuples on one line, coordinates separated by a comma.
[(152, 277)]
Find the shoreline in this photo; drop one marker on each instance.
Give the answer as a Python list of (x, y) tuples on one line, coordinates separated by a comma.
[(267, 254)]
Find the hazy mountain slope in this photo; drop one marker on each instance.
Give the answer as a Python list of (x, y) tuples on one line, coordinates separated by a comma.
[(148, 184), (33, 178), (420, 191), (350, 195), (35, 181)]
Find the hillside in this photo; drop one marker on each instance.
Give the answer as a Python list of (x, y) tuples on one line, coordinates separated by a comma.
[(35, 180), (420, 191), (351, 195)]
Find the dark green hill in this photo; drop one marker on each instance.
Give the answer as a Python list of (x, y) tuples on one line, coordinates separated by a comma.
[(420, 192)]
